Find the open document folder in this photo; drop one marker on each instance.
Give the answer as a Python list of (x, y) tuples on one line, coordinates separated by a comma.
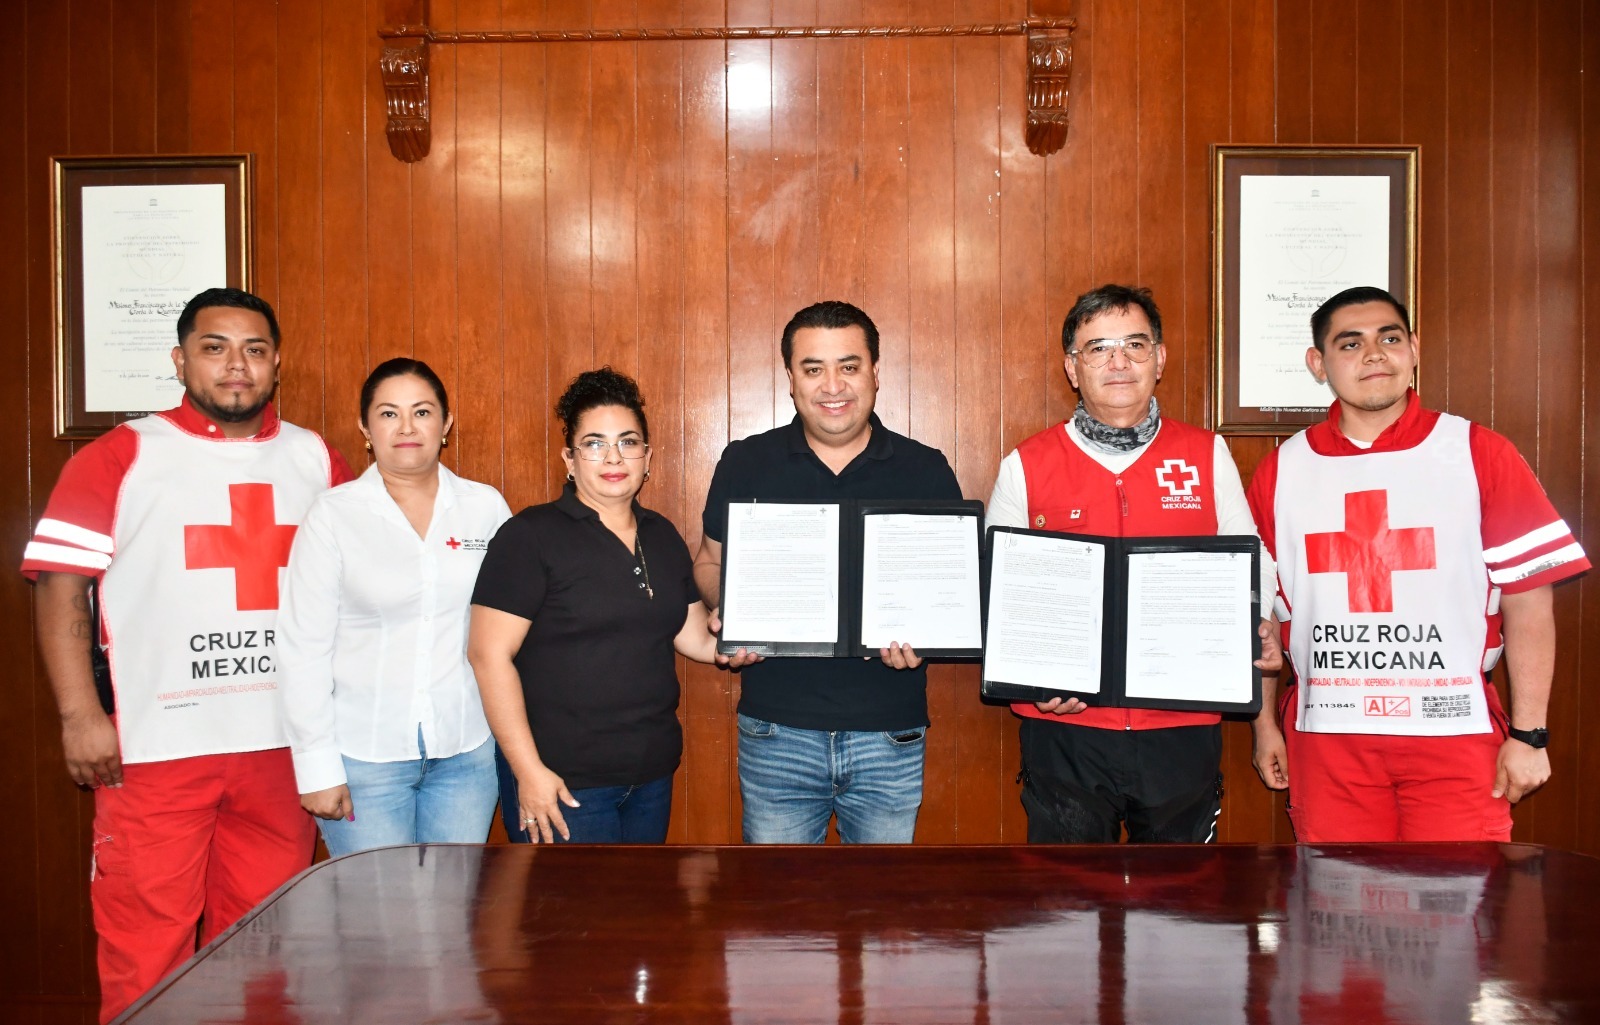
[(846, 579), (1153, 622)]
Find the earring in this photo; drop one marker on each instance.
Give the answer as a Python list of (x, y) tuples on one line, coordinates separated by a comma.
[(647, 475), (369, 446), (444, 442), (571, 478)]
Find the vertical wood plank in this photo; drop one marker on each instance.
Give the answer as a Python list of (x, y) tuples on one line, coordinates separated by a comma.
[(754, 396), (793, 224), (884, 233), (1293, 65), (391, 264), (1114, 210), (90, 63), (255, 130), (133, 75), (1379, 71), (211, 78), (1469, 303), (297, 126), (1426, 87), (172, 41), (613, 183), (1334, 57)]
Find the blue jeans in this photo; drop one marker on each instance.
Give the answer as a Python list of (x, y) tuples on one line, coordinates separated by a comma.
[(426, 800), (793, 780), (624, 814)]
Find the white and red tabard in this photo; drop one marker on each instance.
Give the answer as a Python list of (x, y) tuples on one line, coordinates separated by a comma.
[(1390, 565), (188, 533)]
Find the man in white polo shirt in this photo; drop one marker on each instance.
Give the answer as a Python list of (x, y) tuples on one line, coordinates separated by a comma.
[(1412, 547), (182, 521)]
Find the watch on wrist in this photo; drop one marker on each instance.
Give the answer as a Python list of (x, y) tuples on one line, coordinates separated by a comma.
[(1538, 738)]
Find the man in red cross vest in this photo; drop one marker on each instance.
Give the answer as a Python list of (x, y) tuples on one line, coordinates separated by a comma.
[(182, 523), (1412, 547)]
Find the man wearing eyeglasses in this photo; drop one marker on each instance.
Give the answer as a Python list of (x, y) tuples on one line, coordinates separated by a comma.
[(1119, 468)]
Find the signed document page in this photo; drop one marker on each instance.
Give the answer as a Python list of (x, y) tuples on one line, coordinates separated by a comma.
[(781, 573), (1046, 610), (1190, 627), (920, 581)]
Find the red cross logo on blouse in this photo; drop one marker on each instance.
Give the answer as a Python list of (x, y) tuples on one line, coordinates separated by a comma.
[(453, 543), (1369, 552), (255, 546)]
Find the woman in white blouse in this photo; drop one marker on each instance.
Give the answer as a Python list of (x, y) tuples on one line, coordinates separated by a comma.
[(381, 708)]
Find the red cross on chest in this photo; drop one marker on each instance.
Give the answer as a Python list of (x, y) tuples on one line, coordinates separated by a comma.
[(255, 546), (453, 543), (1369, 552)]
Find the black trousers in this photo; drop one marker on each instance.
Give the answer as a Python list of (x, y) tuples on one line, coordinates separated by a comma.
[(1083, 785)]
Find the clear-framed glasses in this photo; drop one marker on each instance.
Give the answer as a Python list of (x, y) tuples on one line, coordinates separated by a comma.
[(1097, 352), (594, 449)]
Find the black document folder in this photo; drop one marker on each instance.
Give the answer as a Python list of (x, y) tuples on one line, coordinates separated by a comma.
[(845, 638), (1176, 628)]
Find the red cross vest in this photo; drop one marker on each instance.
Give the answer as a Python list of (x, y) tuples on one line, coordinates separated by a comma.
[(190, 601), (1381, 563), (1167, 491)]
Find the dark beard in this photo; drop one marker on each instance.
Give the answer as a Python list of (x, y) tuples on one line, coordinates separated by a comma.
[(238, 414)]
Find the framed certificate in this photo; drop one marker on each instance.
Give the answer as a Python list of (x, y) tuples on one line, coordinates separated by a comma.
[(1292, 226), (134, 238)]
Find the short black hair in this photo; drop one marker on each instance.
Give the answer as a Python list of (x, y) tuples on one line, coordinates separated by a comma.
[(234, 297), (830, 314), (403, 366), (1353, 297), (1109, 299), (595, 388)]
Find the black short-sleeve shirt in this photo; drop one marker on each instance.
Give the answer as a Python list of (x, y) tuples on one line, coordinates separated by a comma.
[(779, 466), (598, 672)]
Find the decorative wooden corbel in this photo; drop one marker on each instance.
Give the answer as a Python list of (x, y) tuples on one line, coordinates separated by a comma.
[(1049, 73), (405, 88)]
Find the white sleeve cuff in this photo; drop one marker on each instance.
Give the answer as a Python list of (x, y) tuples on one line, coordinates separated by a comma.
[(318, 769)]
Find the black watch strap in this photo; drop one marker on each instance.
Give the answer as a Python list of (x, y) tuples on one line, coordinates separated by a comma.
[(1538, 738)]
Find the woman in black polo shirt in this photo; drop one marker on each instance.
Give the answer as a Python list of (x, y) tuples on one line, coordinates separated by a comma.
[(578, 609)]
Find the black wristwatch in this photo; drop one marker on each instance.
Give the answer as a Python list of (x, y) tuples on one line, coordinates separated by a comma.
[(1538, 738)]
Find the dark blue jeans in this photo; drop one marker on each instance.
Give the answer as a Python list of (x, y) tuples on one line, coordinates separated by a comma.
[(626, 814)]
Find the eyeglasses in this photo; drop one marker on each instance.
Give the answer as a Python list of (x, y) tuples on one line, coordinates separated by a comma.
[(594, 449), (1097, 352)]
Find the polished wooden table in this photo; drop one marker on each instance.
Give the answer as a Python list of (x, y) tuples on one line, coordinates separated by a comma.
[(1377, 934)]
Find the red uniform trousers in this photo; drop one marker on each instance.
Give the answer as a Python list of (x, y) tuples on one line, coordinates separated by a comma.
[(1372, 788), (207, 837)]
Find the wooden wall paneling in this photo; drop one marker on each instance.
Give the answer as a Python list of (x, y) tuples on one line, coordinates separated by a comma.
[(1069, 219), (210, 74), (981, 786), (1159, 228), (59, 949), (931, 406), (1558, 258), (711, 808), (90, 66), (753, 216), (435, 209), (527, 437), (172, 59), (1294, 53), (1114, 113), (133, 76), (1424, 85), (1252, 70), (392, 191), (1583, 652), (1334, 82), (480, 389), (1379, 71), (300, 299), (793, 222), (884, 232), (1470, 194), (613, 183), (345, 66), (255, 130), (841, 117)]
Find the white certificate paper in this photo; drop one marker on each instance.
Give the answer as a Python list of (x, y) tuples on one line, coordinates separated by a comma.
[(1302, 238), (781, 573), (1046, 608), (1190, 632), (920, 581), (147, 250)]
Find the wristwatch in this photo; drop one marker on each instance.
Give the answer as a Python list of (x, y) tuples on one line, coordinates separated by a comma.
[(1538, 738)]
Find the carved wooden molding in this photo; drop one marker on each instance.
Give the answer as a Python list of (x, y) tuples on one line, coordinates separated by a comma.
[(405, 88), (404, 64), (1049, 74)]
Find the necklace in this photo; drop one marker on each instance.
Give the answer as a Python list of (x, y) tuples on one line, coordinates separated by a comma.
[(643, 569)]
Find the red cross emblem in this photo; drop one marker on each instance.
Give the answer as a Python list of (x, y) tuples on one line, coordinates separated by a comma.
[(255, 546), (1369, 552), (453, 543), (1178, 477)]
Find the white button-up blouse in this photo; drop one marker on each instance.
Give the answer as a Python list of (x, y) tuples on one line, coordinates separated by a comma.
[(372, 631)]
